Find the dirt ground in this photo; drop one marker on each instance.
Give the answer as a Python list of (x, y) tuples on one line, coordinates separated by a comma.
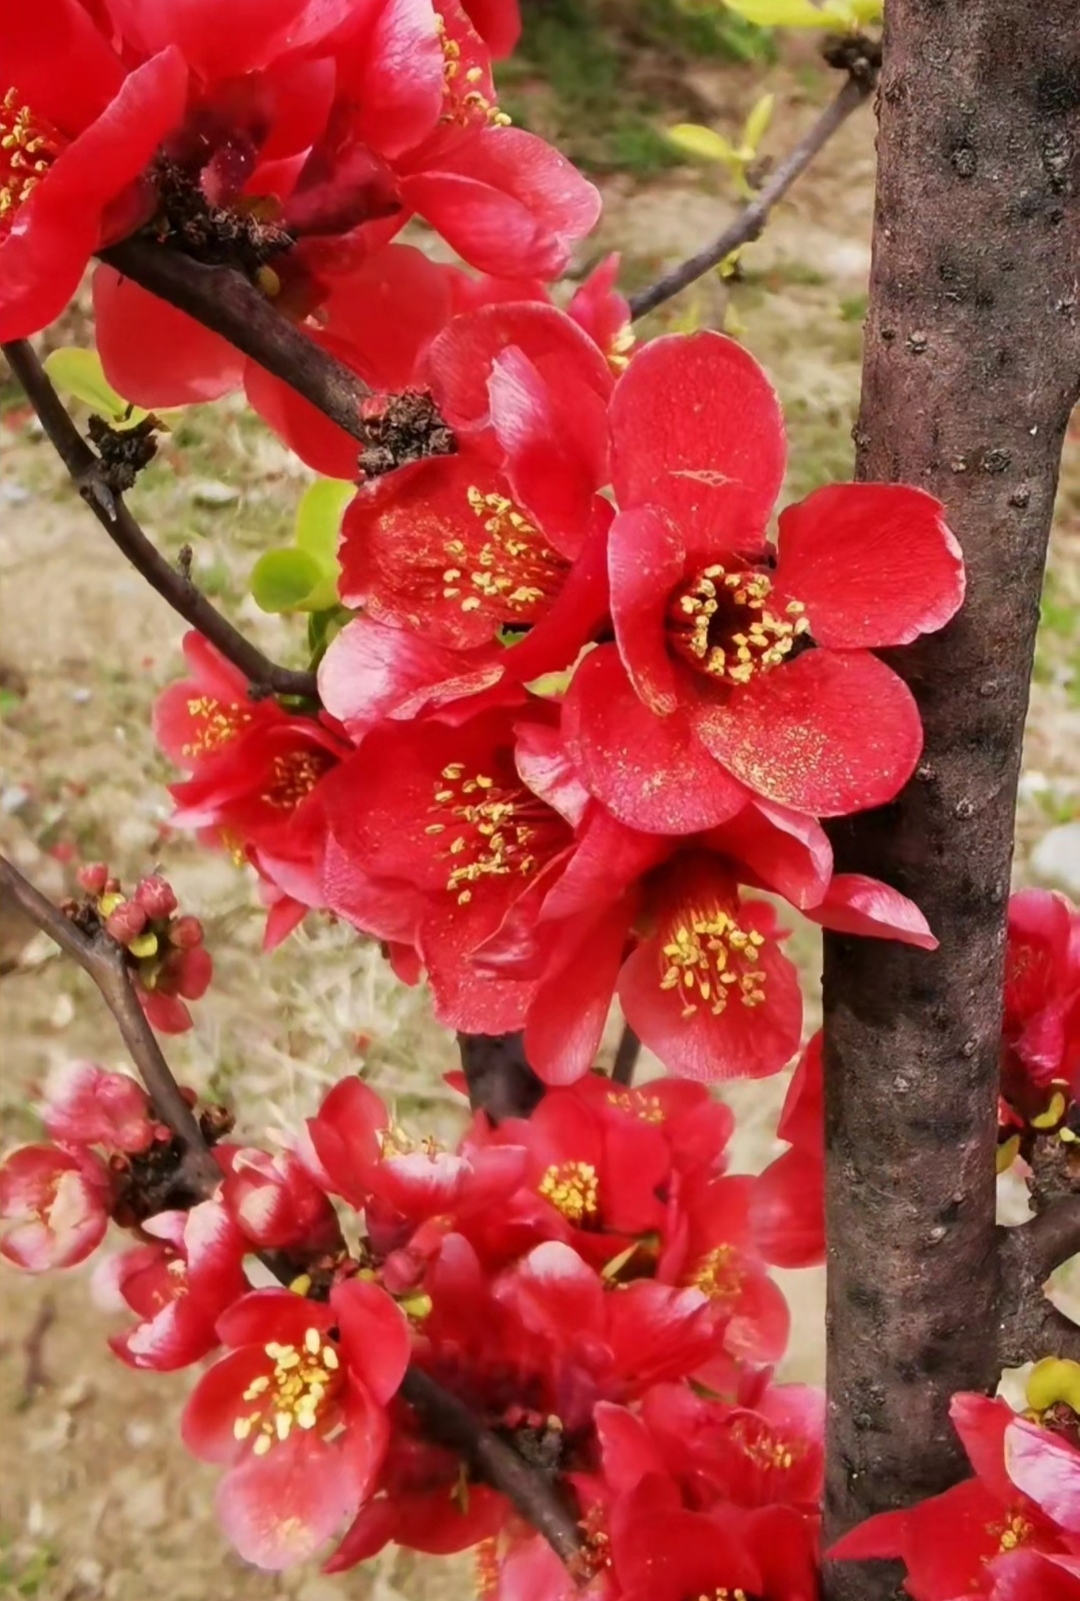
[(98, 1499)]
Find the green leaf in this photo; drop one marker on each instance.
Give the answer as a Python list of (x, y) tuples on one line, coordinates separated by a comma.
[(704, 144), (79, 373), (318, 521), (289, 580), (757, 122), (783, 13)]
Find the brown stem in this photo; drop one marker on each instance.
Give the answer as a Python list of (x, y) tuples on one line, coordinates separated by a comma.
[(626, 1057), (1030, 1325), (103, 960), (501, 1082), (173, 586), (443, 1414), (750, 222), (971, 366), (222, 299)]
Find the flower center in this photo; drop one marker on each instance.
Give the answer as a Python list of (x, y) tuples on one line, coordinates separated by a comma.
[(718, 1274), (300, 1389), (512, 568), (217, 722), (463, 86), (765, 1449), (1015, 1531), (638, 1104), (293, 776), (724, 1593), (28, 149), (722, 625), (572, 1188), (498, 832), (709, 959)]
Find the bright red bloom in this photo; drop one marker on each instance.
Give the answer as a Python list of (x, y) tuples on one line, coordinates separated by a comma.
[(77, 131), (1041, 1024), (788, 1204), (949, 1543), (178, 1288), (710, 667), (85, 1105), (498, 22), (296, 1413), (1046, 1467), (277, 1205), (57, 1203)]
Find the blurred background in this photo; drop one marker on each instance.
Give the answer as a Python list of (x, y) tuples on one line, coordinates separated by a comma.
[(98, 1498)]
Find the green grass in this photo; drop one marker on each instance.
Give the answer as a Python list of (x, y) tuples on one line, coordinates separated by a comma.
[(599, 76)]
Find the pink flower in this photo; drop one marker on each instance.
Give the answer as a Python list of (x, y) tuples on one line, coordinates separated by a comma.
[(57, 1202)]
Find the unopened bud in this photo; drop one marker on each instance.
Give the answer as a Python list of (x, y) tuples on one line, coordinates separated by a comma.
[(126, 922), (94, 877), (186, 933), (156, 896)]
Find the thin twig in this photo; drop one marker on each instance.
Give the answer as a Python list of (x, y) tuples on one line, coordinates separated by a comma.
[(36, 1374), (749, 223), (447, 1418), (173, 586), (223, 300), (626, 1057)]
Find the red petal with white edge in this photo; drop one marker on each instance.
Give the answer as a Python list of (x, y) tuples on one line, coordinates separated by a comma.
[(854, 904), (507, 202), (696, 430), (874, 564), (374, 1336), (154, 355), (554, 432), (372, 671), (1047, 1468), (678, 1024), (566, 1020), (830, 733), (778, 850), (461, 358), (1033, 1576), (651, 772), (646, 559), (553, 1287), (278, 1509)]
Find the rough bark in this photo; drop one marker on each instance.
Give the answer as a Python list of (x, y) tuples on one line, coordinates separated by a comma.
[(500, 1080), (972, 364)]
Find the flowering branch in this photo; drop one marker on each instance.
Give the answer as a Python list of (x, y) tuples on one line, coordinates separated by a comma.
[(444, 1416), (104, 961), (750, 222), (626, 1057), (173, 585), (223, 300)]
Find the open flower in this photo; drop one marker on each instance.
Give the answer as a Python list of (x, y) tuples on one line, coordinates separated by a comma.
[(296, 1413), (57, 1201), (712, 664)]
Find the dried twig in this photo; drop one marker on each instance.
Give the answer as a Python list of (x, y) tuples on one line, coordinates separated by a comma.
[(749, 223), (442, 1413), (222, 299), (174, 586), (36, 1375)]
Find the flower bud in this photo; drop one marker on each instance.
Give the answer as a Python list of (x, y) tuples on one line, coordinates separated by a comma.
[(156, 896), (186, 933), (126, 922), (94, 877)]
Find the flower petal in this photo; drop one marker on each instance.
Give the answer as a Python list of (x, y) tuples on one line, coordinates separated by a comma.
[(855, 904), (646, 558)]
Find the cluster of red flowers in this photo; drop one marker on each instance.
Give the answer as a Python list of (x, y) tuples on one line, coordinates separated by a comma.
[(563, 734), (168, 962)]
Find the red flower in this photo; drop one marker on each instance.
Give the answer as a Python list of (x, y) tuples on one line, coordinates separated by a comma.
[(498, 22), (295, 1412), (77, 131), (178, 1288), (1046, 1467), (709, 666), (85, 1105), (948, 1541), (57, 1202), (1041, 1024), (277, 1205), (788, 1204)]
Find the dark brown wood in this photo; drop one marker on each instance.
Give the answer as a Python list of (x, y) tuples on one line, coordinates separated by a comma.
[(500, 1080), (972, 365)]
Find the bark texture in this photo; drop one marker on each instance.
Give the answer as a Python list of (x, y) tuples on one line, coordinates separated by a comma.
[(501, 1082), (972, 365)]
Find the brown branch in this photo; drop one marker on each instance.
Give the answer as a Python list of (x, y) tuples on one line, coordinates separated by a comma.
[(172, 585), (500, 1080), (750, 222), (1031, 1326), (223, 300), (626, 1057), (447, 1418)]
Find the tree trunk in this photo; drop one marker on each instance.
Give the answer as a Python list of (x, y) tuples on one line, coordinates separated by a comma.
[(971, 367)]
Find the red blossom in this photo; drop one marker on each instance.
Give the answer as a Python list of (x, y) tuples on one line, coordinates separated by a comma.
[(85, 1105), (178, 1287), (56, 1201), (711, 625), (295, 1412), (277, 1205), (788, 1205), (1041, 1024)]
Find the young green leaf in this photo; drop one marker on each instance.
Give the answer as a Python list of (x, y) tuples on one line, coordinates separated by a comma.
[(756, 124), (704, 144), (290, 580), (318, 521), (79, 373)]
